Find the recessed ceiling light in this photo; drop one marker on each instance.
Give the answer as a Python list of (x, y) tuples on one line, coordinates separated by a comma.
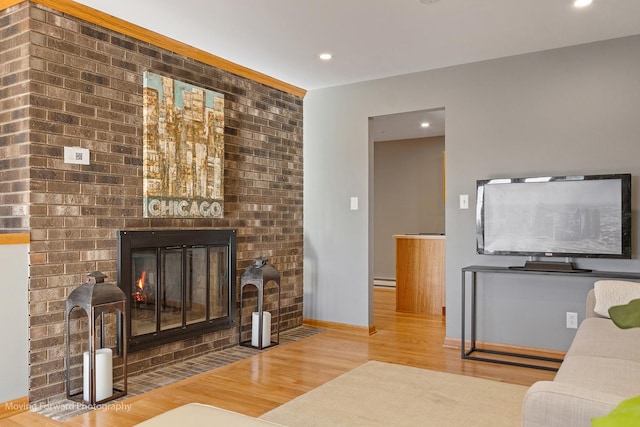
[(424, 124), (582, 3), (428, 1), (325, 56)]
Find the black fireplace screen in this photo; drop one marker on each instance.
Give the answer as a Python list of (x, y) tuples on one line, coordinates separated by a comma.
[(181, 283)]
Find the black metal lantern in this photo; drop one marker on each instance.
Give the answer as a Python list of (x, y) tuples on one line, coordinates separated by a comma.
[(259, 275), (99, 300)]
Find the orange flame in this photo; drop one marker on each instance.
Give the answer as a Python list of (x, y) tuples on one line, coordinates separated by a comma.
[(140, 282), (138, 296)]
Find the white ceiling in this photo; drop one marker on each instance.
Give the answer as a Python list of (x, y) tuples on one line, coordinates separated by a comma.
[(394, 127), (373, 39)]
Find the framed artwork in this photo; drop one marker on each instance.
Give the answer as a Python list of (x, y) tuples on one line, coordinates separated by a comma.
[(183, 150)]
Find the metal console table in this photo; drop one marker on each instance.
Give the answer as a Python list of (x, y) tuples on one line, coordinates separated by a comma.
[(473, 271)]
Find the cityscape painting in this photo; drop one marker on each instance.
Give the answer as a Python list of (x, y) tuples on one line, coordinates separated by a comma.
[(183, 150)]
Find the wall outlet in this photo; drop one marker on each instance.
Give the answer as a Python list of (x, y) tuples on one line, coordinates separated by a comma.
[(572, 320)]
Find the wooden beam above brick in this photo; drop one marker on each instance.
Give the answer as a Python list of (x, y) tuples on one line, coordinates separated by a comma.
[(14, 238)]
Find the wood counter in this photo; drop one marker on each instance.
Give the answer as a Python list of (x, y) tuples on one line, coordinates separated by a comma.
[(420, 284)]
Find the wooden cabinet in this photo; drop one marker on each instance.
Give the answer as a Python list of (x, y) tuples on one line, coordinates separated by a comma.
[(420, 284)]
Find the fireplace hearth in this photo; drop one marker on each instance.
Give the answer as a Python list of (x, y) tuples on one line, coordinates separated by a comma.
[(179, 283)]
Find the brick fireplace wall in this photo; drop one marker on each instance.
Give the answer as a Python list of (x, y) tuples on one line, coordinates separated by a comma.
[(14, 120), (67, 82)]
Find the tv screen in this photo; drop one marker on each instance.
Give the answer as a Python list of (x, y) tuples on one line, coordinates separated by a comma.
[(560, 216)]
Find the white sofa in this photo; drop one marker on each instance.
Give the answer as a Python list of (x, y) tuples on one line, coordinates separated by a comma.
[(601, 368)]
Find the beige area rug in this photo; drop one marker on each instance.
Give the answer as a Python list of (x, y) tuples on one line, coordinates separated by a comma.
[(383, 394)]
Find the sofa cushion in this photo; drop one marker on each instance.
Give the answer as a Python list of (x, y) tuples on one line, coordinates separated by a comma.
[(600, 337), (554, 404), (607, 375), (614, 292)]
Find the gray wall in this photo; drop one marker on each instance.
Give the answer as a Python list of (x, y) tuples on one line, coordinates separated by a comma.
[(565, 111), (14, 322), (408, 195)]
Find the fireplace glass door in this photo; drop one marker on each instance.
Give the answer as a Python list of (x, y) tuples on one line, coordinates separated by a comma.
[(171, 288), (218, 279), (143, 295), (180, 288)]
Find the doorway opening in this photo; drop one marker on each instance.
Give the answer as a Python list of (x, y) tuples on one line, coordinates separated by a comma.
[(408, 184)]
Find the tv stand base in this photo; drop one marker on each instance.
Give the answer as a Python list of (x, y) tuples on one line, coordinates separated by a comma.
[(470, 322), (554, 266)]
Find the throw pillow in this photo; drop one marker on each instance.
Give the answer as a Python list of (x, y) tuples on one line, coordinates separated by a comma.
[(626, 414), (626, 316), (614, 292)]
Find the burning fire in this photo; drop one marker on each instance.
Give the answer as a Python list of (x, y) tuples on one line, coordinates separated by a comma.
[(140, 295)]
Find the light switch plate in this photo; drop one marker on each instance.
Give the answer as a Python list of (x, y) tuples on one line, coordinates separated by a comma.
[(464, 201), (354, 203)]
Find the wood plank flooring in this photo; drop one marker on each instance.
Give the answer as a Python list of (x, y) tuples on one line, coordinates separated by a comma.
[(260, 383)]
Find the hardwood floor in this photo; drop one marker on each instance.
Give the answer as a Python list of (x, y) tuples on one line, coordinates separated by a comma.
[(260, 383)]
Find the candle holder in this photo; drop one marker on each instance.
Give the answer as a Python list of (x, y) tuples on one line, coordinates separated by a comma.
[(259, 275), (101, 302)]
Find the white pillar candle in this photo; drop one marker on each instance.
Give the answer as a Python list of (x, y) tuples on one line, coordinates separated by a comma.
[(266, 329), (104, 375)]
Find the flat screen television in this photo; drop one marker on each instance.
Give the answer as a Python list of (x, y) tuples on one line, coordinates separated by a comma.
[(586, 216)]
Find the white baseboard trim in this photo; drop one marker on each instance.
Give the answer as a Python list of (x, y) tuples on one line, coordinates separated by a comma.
[(384, 282)]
